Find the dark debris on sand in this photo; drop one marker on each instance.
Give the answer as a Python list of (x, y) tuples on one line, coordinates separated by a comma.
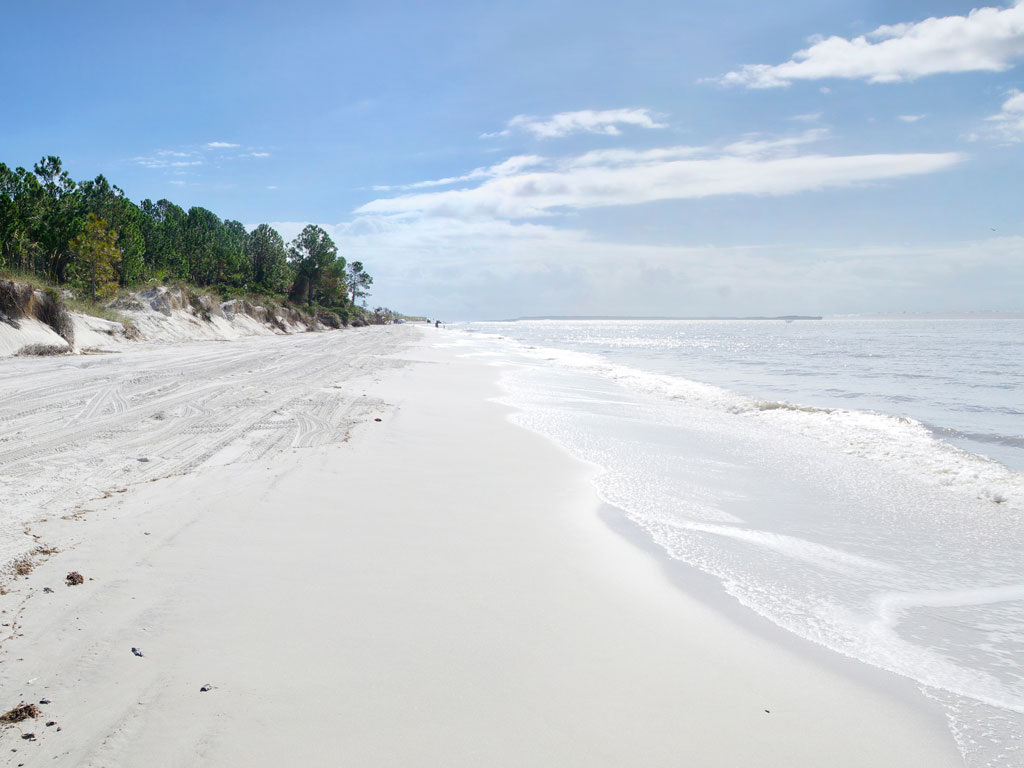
[(21, 712)]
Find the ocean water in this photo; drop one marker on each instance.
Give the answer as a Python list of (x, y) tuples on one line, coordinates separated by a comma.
[(857, 482)]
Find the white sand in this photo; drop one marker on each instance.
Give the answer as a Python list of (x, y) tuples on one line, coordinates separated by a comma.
[(437, 591), (30, 332), (167, 315), (158, 315)]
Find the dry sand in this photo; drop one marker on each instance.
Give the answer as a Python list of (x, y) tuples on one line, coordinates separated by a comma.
[(155, 315), (438, 590)]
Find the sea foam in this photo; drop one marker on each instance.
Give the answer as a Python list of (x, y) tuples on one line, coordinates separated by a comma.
[(858, 530)]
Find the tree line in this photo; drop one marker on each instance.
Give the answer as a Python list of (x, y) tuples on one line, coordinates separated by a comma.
[(89, 236)]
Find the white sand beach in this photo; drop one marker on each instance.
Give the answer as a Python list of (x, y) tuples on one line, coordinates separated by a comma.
[(344, 536)]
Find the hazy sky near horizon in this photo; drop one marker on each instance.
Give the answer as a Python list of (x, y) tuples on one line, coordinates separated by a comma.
[(492, 160)]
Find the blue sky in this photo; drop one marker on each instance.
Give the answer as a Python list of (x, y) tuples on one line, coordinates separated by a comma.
[(490, 160)]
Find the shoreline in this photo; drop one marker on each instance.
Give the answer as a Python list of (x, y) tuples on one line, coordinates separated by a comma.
[(709, 591), (439, 589)]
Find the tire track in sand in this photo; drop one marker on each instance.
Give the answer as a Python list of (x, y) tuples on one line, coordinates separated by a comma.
[(77, 427)]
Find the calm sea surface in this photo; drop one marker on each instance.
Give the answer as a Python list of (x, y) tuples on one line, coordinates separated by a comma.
[(857, 482)]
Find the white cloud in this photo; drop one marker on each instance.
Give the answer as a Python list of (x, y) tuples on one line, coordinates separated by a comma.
[(752, 144), (985, 40), (911, 118), (505, 168), (603, 121), (177, 182), (628, 157), (752, 166), (160, 160), (176, 160), (810, 117), (1008, 125), (454, 269), (271, 186)]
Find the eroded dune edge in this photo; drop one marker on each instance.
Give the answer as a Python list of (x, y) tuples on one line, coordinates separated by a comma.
[(35, 322)]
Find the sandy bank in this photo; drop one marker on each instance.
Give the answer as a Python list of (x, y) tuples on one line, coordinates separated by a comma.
[(35, 322), (437, 590)]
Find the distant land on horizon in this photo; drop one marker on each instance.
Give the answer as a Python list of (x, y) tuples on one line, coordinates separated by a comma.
[(978, 315), (981, 314), (653, 317)]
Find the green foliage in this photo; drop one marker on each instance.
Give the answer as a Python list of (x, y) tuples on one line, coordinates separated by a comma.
[(383, 316), (358, 281), (64, 232), (163, 229), (13, 227), (56, 215), (96, 254), (200, 245), (268, 259), (235, 266), (332, 290), (86, 307), (311, 254), (108, 203), (39, 215)]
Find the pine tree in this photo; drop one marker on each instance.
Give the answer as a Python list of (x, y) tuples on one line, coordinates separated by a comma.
[(312, 253), (358, 281), (95, 254)]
